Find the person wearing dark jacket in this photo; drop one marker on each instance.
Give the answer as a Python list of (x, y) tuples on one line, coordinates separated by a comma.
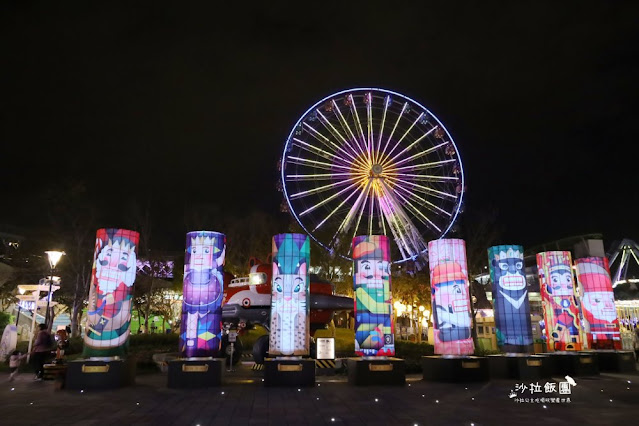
[(41, 348)]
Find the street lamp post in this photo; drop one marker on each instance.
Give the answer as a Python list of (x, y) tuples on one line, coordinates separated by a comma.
[(54, 258), (18, 315), (19, 306)]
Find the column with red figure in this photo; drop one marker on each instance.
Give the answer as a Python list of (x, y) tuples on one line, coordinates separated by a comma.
[(110, 293), (598, 303), (450, 297), (559, 301)]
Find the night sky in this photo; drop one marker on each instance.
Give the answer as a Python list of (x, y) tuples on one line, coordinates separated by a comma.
[(179, 103)]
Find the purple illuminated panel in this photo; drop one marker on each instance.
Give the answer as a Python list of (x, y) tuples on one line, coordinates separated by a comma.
[(201, 330)]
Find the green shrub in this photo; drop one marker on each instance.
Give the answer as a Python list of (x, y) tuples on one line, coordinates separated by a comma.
[(485, 352), (406, 350), (76, 344), (412, 353), (155, 339), (344, 341), (23, 346), (5, 318)]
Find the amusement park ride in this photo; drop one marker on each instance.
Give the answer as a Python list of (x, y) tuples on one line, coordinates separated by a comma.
[(372, 162), (362, 161)]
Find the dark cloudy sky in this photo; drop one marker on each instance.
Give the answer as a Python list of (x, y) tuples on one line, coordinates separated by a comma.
[(190, 101)]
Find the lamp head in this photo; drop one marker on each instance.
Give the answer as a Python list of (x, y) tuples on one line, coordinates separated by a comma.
[(54, 257)]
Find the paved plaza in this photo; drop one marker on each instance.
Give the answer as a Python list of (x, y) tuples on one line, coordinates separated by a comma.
[(608, 399)]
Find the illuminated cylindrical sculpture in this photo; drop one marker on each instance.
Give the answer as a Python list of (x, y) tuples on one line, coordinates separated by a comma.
[(559, 301), (449, 297), (374, 328), (598, 303), (290, 292), (110, 294), (201, 329), (510, 298)]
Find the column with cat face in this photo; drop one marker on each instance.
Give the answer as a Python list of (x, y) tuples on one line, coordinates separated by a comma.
[(290, 292)]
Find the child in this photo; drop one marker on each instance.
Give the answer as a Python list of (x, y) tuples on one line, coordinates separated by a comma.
[(14, 363), (62, 344)]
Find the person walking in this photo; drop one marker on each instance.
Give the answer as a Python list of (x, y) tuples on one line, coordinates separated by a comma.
[(14, 364), (41, 348)]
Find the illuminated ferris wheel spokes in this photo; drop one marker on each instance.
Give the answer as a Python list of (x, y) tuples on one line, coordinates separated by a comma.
[(370, 161)]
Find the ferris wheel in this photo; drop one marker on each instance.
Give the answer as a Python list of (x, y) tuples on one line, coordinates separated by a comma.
[(371, 161)]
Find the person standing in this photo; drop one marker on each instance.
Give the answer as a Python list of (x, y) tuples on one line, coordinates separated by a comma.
[(41, 348)]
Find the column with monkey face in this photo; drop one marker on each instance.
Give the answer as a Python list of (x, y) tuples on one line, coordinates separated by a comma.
[(111, 290), (510, 298), (201, 329)]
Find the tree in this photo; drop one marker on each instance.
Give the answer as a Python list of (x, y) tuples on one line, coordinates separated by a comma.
[(74, 220), (145, 283), (167, 304), (332, 268), (412, 290), (7, 286), (152, 283), (479, 235)]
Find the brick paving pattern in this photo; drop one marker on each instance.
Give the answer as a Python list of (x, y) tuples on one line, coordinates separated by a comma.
[(243, 400)]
